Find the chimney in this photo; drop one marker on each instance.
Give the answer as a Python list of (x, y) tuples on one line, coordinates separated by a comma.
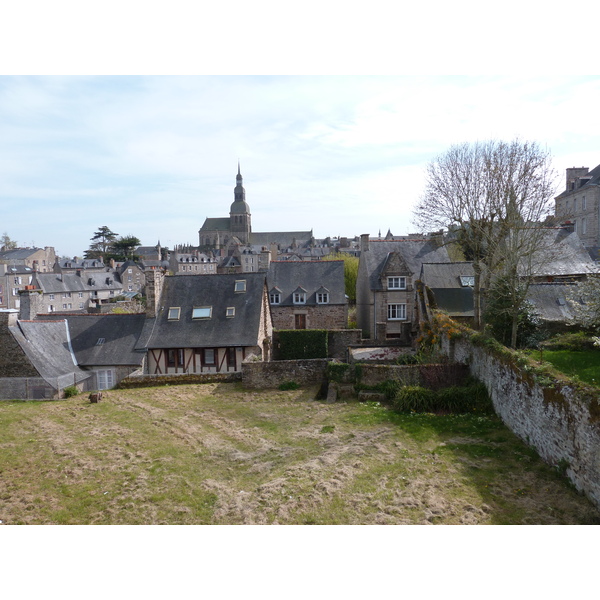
[(364, 242), (30, 304), (573, 174), (8, 317), (154, 284)]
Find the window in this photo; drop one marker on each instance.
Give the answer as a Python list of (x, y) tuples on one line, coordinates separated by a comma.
[(274, 297), (174, 312), (583, 226), (583, 203), (50, 308), (240, 285), (299, 297), (574, 204), (396, 283), (15, 292), (396, 312), (106, 379), (231, 358), (467, 280), (322, 297), (230, 312), (175, 357), (201, 312), (208, 356), (81, 305), (64, 307), (130, 270), (17, 281), (80, 294), (100, 341)]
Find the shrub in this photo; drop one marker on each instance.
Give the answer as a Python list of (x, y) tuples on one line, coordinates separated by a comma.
[(288, 385), (472, 397), (298, 344), (570, 341), (70, 391)]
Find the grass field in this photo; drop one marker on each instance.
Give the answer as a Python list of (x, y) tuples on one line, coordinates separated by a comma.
[(218, 454), (585, 364)]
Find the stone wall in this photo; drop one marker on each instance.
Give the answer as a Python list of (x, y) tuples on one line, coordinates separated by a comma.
[(433, 377), (321, 316), (563, 426), (339, 340), (257, 375)]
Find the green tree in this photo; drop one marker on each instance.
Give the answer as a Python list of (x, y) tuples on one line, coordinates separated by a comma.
[(350, 272), (6, 243), (102, 240), (122, 248)]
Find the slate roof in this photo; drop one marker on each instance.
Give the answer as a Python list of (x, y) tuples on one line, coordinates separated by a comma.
[(287, 276), (103, 340), (414, 252), (216, 224), (450, 294), (218, 292), (47, 345), (18, 253), (563, 254), (56, 283), (282, 238), (549, 300)]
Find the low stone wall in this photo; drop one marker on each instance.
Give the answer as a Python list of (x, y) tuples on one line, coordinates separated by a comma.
[(563, 426), (257, 375), (137, 381), (338, 341), (433, 377)]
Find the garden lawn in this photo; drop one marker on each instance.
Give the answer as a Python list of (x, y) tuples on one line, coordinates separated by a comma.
[(585, 364), (219, 454)]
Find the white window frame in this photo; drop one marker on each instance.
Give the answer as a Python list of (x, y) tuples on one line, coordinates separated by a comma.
[(240, 286), (105, 379), (174, 313), (275, 298), (299, 297), (396, 283), (396, 312), (322, 298), (230, 312)]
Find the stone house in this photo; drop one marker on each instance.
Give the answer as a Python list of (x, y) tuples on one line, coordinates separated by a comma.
[(77, 291), (13, 280), (385, 286), (308, 295), (579, 204), (205, 324), (37, 259)]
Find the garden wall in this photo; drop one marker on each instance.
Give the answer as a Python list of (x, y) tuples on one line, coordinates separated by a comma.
[(435, 376), (259, 375), (563, 425)]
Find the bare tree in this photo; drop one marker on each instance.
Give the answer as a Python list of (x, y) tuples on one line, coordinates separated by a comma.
[(493, 195)]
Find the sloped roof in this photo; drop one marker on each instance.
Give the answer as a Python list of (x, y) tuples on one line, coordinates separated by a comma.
[(413, 251), (282, 238), (18, 253), (445, 275), (550, 300), (48, 347), (218, 292), (103, 340), (216, 224), (563, 253), (287, 276), (53, 283)]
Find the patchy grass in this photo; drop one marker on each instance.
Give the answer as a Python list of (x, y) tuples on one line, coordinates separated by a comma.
[(584, 364), (218, 454)]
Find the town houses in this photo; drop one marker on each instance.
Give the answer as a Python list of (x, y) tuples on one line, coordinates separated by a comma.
[(207, 309)]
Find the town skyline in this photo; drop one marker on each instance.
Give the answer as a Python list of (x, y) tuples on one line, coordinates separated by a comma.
[(341, 156)]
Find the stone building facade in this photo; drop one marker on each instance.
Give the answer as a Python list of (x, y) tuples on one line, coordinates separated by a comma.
[(579, 204)]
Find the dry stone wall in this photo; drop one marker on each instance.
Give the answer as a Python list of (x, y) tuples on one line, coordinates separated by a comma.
[(563, 426)]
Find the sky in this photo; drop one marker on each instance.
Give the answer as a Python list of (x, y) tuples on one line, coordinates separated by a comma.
[(153, 156)]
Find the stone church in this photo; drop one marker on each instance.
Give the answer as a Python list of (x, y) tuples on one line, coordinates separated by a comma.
[(236, 229)]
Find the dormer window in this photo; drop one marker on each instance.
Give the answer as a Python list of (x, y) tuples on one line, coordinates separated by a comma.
[(299, 296), (322, 295), (202, 312), (240, 285), (275, 296), (467, 280), (174, 312), (396, 283)]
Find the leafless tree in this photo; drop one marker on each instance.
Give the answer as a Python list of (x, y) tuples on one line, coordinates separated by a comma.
[(494, 196)]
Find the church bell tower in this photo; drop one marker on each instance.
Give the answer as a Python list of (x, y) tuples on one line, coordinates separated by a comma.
[(239, 214)]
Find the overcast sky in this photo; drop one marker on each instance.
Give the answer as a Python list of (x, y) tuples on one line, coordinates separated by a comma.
[(153, 156)]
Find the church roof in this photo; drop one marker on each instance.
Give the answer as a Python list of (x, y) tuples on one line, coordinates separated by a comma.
[(216, 224)]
